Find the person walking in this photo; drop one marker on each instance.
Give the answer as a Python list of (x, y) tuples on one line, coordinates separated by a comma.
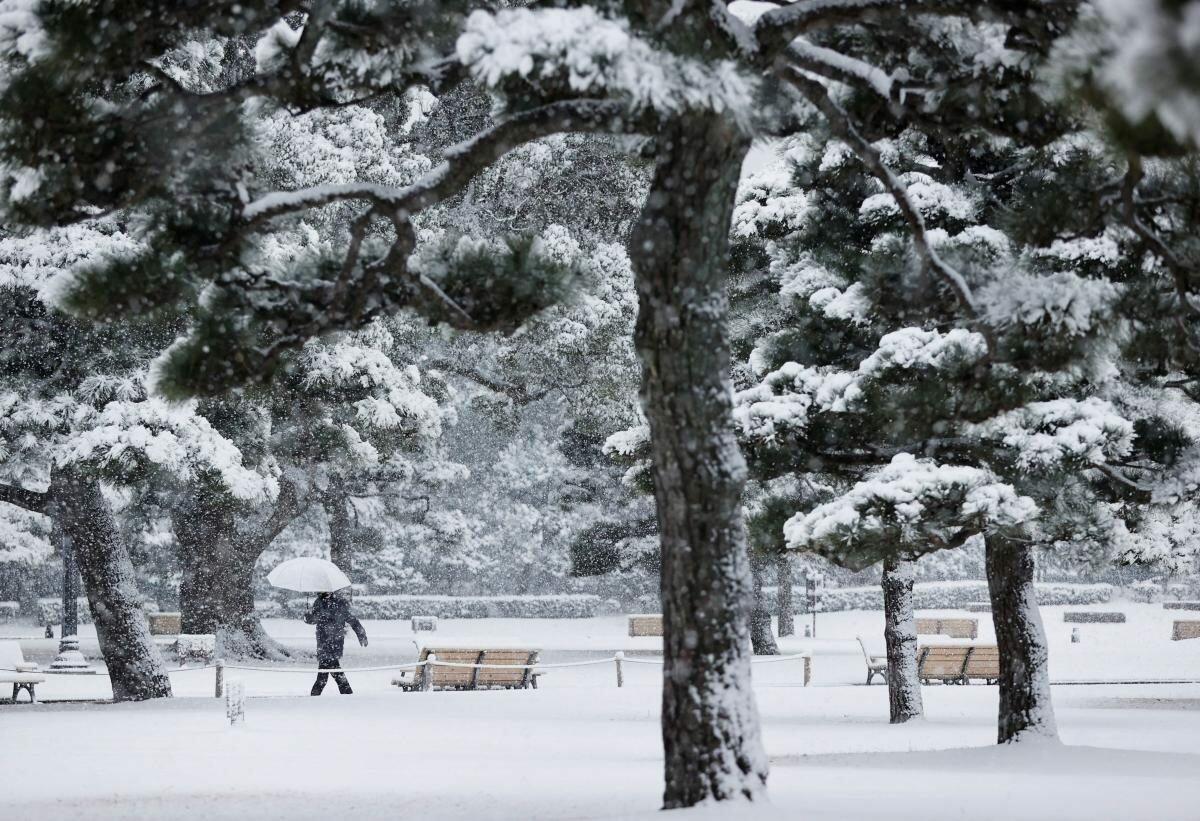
[(331, 613)]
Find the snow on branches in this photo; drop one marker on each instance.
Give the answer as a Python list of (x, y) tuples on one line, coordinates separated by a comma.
[(127, 436), (1152, 48), (785, 398), (916, 505), (1061, 433), (588, 53)]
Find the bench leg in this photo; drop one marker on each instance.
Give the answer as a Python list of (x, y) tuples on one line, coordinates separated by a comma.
[(16, 689)]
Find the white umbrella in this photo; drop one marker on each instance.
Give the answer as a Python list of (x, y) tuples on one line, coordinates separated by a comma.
[(308, 575)]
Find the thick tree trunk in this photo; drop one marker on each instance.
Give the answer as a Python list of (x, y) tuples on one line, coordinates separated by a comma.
[(341, 534), (135, 666), (900, 634), (679, 248), (216, 591), (785, 606), (762, 640), (1025, 707)]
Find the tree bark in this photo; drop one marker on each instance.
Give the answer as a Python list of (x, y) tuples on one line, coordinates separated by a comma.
[(135, 666), (762, 640), (1026, 710), (341, 534), (216, 591), (900, 634), (679, 250), (785, 606)]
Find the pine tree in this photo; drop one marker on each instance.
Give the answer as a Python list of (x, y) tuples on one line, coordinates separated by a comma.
[(972, 404), (177, 154), (74, 416)]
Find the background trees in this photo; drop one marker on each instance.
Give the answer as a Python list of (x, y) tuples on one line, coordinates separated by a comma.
[(966, 357)]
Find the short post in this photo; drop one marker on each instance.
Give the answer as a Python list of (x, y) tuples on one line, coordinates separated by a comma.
[(1074, 635), (427, 676), (807, 670), (220, 668), (618, 658), (235, 701)]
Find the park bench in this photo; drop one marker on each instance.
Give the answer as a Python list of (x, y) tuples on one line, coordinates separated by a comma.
[(14, 670), (516, 672), (954, 628), (1181, 605), (958, 664), (876, 665), (646, 624), (165, 624), (1185, 630)]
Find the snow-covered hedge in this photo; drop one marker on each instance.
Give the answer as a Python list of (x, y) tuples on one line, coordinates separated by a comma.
[(948, 595), (269, 609), (49, 611), (562, 606)]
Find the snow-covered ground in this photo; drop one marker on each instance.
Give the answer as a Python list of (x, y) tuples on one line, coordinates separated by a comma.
[(581, 748)]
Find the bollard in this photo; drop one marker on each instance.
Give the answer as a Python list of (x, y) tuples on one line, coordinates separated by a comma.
[(427, 673), (235, 701), (1074, 635), (219, 665), (618, 658)]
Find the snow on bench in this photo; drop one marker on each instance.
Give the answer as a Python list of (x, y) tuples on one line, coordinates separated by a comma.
[(876, 664), (15, 670), (954, 628), (514, 670)]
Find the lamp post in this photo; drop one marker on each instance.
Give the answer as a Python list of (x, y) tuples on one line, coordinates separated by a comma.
[(69, 658)]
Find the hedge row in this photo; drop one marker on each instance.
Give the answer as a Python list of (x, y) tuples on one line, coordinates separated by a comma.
[(947, 596), (49, 610), (562, 606)]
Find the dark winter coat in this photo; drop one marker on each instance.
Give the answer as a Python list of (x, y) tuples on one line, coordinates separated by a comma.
[(331, 614)]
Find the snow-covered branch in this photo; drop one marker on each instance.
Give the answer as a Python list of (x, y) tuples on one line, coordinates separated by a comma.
[(775, 29), (519, 393), (460, 163), (834, 65), (1181, 273), (287, 508), (841, 125), (911, 506), (30, 500)]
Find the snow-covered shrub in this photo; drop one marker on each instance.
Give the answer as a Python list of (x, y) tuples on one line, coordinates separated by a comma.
[(49, 611), (269, 609), (1144, 591), (561, 606), (946, 596)]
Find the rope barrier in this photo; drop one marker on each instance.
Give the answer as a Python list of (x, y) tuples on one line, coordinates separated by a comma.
[(417, 664), (311, 670)]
